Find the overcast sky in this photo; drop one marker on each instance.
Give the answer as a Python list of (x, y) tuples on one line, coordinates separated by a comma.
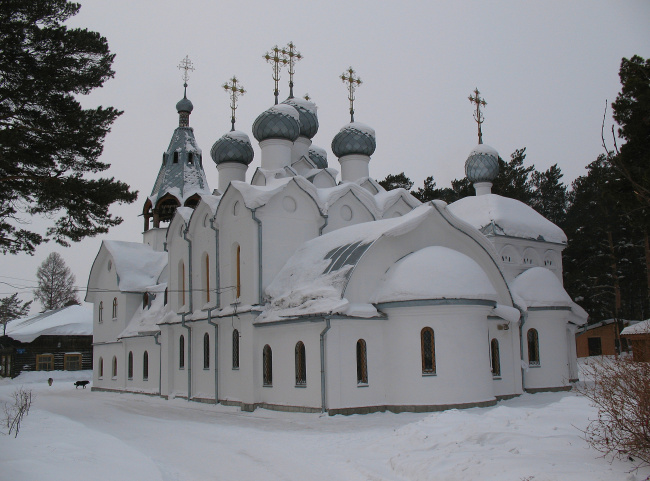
[(544, 68)]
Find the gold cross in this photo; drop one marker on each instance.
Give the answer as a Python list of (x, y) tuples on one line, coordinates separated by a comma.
[(291, 56), (353, 82), (234, 89), (307, 97), (277, 59), (187, 65), (478, 115)]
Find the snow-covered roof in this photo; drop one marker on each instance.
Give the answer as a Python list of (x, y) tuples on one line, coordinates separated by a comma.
[(65, 321), (137, 265), (539, 287), (642, 327), (146, 319), (497, 215), (435, 273), (313, 279)]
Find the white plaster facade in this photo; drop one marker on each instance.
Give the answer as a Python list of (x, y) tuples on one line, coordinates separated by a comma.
[(294, 259)]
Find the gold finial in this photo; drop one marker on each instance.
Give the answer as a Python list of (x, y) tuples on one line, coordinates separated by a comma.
[(353, 82), (307, 97), (291, 56), (187, 65), (277, 59), (478, 115), (234, 89)]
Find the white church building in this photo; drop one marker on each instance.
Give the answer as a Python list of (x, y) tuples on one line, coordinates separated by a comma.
[(302, 290)]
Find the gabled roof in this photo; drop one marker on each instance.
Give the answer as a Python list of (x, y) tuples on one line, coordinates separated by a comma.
[(65, 321), (137, 265), (496, 215)]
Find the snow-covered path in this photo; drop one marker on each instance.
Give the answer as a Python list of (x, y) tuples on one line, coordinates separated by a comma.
[(75, 434)]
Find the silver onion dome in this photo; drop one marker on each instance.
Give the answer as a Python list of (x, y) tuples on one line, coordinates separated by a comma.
[(318, 156), (184, 105), (482, 165), (354, 138), (308, 118), (235, 146), (281, 121)]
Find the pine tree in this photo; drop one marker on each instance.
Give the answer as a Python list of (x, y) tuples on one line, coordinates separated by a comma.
[(514, 180), (48, 142), (12, 308), (55, 283), (550, 197), (396, 181)]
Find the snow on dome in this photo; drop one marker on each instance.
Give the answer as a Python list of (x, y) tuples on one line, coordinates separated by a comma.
[(318, 156), (539, 287), (308, 117), (484, 149), (354, 138), (281, 121), (434, 273), (493, 214), (137, 265), (65, 321), (642, 327), (482, 164), (238, 135), (235, 146)]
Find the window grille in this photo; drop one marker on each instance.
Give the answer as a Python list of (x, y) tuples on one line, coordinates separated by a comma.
[(130, 370), (301, 365), (235, 349), (495, 358), (533, 348), (428, 348), (362, 362), (181, 352), (267, 360)]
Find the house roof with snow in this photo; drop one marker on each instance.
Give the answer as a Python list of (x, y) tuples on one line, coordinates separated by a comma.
[(642, 327), (495, 215), (65, 321)]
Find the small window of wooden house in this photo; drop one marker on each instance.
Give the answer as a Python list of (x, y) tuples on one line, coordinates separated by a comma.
[(72, 362), (44, 362)]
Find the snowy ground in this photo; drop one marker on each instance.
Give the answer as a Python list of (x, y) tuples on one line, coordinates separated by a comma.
[(76, 434)]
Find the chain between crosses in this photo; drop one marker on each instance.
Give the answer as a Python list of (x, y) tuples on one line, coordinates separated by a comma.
[(353, 82), (235, 90), (277, 59), (186, 65), (478, 115), (291, 56)]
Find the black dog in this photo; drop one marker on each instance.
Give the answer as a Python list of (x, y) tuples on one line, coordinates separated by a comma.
[(81, 383)]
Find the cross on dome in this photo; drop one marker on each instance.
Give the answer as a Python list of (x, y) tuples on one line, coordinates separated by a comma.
[(186, 65), (478, 115), (277, 59), (353, 82), (234, 89), (291, 56)]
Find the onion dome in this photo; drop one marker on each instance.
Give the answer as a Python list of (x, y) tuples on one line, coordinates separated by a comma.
[(281, 121), (318, 156), (308, 118), (354, 138), (482, 165), (235, 146), (184, 105)]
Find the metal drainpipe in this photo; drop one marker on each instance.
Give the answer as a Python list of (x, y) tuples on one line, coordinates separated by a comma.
[(155, 339), (320, 230), (259, 254), (524, 316), (189, 329), (216, 354), (322, 364), (216, 262)]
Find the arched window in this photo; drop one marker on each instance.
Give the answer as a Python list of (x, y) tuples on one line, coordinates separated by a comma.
[(145, 300), (362, 362), (101, 368), (145, 366), (181, 352), (130, 371), (101, 311), (428, 347), (181, 283), (301, 365), (206, 278), (165, 297), (114, 373), (267, 364), (115, 308), (235, 349), (238, 272), (495, 358), (206, 351), (533, 347)]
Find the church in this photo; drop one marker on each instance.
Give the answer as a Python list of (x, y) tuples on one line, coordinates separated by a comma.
[(311, 289)]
